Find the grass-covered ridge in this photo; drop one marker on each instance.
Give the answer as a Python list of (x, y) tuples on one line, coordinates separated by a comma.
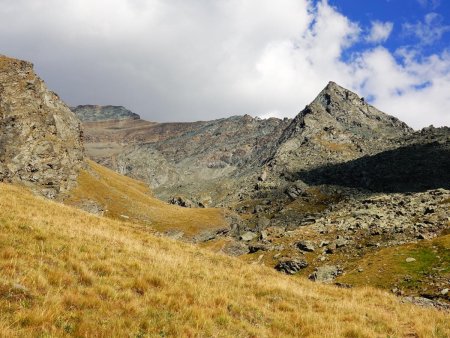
[(122, 196), (66, 272)]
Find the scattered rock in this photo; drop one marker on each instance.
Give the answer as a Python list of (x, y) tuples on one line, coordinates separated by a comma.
[(421, 301), (258, 247), (91, 207), (410, 260), (326, 273), (263, 223), (264, 235), (331, 248), (248, 236), (291, 266), (306, 246), (340, 242), (235, 249), (208, 235), (181, 201)]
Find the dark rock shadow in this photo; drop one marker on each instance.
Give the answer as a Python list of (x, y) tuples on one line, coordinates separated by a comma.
[(412, 168)]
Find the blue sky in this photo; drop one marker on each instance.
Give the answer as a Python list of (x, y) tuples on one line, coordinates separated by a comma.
[(186, 60), (403, 14)]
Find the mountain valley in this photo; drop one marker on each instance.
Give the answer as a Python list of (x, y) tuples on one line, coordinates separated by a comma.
[(342, 176), (337, 221)]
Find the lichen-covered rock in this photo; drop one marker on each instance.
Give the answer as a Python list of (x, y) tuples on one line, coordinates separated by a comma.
[(40, 138)]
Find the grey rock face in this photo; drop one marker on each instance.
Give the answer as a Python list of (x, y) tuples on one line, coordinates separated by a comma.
[(236, 249), (181, 201), (91, 113), (419, 162), (326, 273), (40, 138), (291, 266), (218, 156), (306, 246), (337, 126), (248, 236)]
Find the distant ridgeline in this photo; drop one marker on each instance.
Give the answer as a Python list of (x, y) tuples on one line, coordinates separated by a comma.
[(92, 113)]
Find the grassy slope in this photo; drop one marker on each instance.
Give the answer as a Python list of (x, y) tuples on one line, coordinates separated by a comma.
[(66, 272), (121, 195), (388, 268)]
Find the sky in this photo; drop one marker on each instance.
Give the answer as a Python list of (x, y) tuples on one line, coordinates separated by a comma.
[(188, 60)]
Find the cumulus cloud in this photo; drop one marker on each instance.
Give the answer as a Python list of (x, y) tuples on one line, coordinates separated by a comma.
[(184, 60), (380, 31), (429, 30)]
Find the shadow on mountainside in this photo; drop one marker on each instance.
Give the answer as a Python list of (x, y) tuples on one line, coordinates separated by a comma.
[(413, 168)]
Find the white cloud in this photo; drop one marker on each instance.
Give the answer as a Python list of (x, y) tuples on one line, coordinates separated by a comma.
[(417, 92), (433, 4), (427, 31), (380, 31), (183, 60)]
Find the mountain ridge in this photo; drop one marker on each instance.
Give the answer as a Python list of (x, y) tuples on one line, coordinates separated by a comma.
[(94, 113), (318, 196)]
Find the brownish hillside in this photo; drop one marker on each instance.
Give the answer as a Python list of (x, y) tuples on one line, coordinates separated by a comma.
[(103, 191), (68, 273)]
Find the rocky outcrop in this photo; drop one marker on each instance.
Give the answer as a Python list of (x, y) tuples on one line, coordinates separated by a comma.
[(91, 113), (206, 161), (40, 138), (291, 266), (336, 127), (420, 162)]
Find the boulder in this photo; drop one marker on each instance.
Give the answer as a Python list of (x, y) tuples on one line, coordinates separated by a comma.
[(235, 249), (326, 273), (307, 246), (248, 236), (181, 201), (291, 266)]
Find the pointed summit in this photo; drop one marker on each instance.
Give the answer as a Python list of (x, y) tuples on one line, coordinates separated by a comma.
[(336, 127)]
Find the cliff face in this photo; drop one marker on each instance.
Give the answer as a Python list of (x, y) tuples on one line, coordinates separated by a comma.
[(41, 139)]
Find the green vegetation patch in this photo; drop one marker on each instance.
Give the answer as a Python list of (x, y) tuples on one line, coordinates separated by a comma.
[(413, 267)]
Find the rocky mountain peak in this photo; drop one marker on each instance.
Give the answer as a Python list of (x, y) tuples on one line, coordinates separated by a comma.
[(94, 113), (337, 126), (40, 138)]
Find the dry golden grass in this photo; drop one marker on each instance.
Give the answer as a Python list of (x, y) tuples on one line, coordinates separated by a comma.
[(68, 273), (123, 196)]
